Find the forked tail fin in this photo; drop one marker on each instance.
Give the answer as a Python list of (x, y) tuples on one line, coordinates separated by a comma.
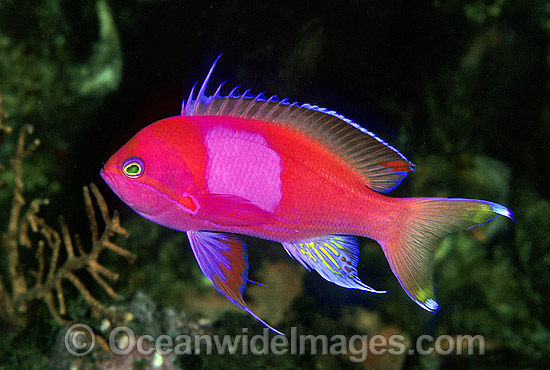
[(410, 245)]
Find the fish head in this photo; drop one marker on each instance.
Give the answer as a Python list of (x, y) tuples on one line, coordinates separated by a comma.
[(148, 173)]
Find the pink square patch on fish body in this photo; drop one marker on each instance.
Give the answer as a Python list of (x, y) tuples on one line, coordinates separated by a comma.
[(242, 163)]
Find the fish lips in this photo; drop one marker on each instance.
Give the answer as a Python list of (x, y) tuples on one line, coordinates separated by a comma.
[(108, 178)]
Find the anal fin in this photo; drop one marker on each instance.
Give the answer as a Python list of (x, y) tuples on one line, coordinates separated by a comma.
[(334, 257)]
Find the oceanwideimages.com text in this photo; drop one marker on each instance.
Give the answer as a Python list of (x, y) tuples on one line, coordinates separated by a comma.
[(80, 341)]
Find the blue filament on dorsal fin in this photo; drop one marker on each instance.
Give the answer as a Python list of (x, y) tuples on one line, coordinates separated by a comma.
[(191, 107)]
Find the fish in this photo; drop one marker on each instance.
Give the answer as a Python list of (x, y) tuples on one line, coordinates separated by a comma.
[(300, 175)]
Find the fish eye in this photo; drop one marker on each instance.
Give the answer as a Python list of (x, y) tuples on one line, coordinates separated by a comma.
[(133, 167)]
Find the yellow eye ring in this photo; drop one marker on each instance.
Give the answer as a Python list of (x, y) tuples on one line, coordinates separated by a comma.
[(133, 168)]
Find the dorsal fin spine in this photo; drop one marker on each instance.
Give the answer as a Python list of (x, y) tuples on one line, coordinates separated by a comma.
[(269, 100), (202, 90), (184, 106), (214, 97), (275, 108), (238, 102), (232, 92), (229, 97), (258, 97)]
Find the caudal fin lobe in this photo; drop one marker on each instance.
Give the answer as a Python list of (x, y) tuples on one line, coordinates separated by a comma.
[(410, 246)]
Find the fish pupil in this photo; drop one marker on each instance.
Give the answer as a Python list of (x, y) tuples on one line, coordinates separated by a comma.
[(133, 169)]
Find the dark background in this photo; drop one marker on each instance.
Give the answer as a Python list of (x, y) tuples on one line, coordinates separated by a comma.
[(459, 87)]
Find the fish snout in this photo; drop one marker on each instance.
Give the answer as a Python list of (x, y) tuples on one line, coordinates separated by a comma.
[(108, 178)]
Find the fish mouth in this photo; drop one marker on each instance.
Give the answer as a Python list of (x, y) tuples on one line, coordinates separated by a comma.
[(105, 175), (109, 179)]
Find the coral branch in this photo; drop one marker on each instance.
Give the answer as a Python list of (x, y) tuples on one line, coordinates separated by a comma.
[(10, 239), (67, 255), (76, 260)]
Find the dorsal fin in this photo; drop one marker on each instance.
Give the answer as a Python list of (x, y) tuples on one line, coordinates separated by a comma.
[(382, 166)]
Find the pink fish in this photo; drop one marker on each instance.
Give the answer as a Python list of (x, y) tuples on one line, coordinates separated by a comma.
[(300, 175)]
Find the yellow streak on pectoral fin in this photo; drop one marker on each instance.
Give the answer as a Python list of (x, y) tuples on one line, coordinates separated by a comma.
[(324, 261), (328, 254), (338, 245), (336, 253), (307, 253)]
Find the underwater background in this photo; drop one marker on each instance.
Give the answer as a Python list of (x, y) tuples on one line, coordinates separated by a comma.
[(461, 88)]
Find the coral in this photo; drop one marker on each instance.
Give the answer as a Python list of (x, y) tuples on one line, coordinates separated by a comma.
[(67, 254)]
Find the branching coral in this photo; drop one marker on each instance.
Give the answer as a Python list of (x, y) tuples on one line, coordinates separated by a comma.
[(67, 255)]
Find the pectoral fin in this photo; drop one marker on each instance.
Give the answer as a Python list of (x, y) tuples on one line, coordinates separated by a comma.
[(223, 260)]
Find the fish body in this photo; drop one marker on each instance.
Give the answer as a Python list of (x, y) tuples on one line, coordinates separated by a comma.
[(272, 169), (303, 176)]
